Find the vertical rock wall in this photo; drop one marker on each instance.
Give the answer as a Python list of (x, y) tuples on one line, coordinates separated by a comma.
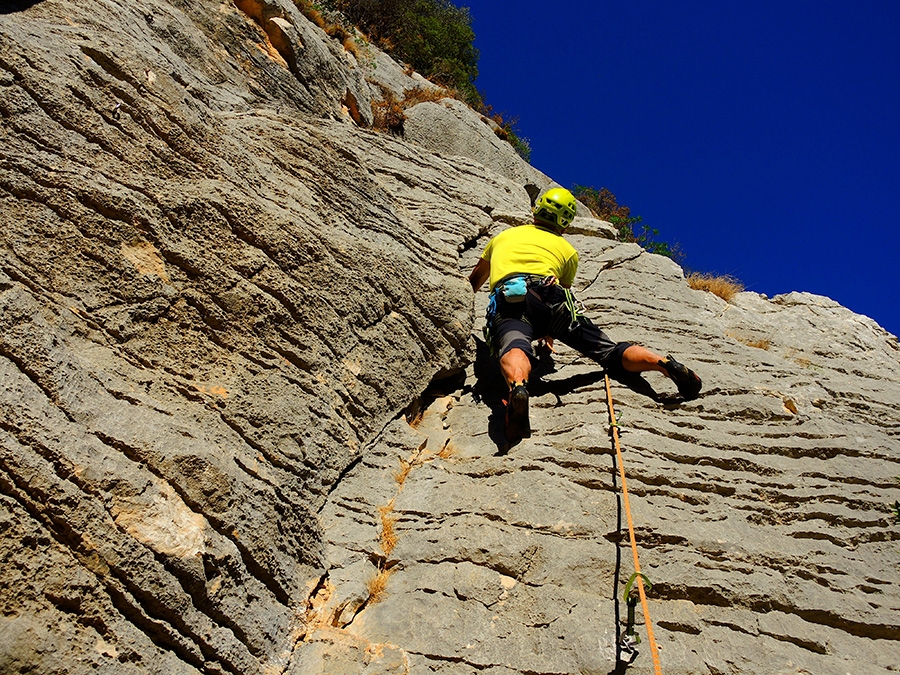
[(219, 290), (762, 509), (214, 289)]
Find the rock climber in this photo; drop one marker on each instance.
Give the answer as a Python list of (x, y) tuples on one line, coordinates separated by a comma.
[(531, 270)]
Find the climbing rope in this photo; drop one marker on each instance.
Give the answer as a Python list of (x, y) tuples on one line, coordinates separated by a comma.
[(638, 576)]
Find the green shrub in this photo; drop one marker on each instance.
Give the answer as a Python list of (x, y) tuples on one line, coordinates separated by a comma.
[(434, 37), (521, 145), (506, 130), (604, 206)]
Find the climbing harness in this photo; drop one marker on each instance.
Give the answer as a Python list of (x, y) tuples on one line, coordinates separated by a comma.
[(513, 289), (566, 313), (631, 640)]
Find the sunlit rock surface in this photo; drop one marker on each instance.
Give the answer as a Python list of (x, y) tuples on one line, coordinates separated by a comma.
[(247, 424)]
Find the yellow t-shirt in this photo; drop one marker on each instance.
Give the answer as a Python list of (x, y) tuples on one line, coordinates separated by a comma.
[(528, 249)]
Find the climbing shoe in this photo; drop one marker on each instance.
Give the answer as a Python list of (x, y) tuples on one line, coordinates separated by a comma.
[(684, 378), (517, 424)]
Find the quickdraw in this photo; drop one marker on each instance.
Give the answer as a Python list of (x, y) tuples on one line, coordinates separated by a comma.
[(631, 639)]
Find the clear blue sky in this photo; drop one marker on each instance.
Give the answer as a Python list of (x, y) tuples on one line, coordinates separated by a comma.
[(763, 137)]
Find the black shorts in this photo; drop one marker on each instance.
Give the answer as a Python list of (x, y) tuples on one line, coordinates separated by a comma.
[(545, 312)]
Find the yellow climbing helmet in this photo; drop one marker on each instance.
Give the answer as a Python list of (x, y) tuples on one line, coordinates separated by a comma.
[(555, 207)]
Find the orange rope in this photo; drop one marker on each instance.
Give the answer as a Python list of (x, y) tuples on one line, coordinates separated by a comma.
[(654, 652)]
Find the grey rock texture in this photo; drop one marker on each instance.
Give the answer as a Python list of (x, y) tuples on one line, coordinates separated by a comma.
[(450, 127), (762, 508), (385, 72), (222, 300)]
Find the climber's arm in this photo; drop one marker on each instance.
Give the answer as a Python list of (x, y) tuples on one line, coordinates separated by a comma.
[(480, 274)]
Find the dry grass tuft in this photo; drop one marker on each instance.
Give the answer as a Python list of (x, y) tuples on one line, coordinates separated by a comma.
[(306, 8), (388, 114), (388, 537), (447, 451), (377, 586), (418, 95), (415, 413), (337, 31), (401, 474), (726, 287), (333, 30), (352, 46)]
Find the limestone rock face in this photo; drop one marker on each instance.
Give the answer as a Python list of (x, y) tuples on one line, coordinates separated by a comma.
[(451, 127), (762, 508), (222, 300)]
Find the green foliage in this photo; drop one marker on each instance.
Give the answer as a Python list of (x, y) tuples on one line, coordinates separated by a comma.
[(434, 37), (647, 239), (604, 205), (625, 227), (437, 40), (506, 130), (601, 202), (521, 145)]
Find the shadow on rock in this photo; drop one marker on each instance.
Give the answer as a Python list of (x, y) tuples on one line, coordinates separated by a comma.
[(633, 381), (639, 385), (489, 388)]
